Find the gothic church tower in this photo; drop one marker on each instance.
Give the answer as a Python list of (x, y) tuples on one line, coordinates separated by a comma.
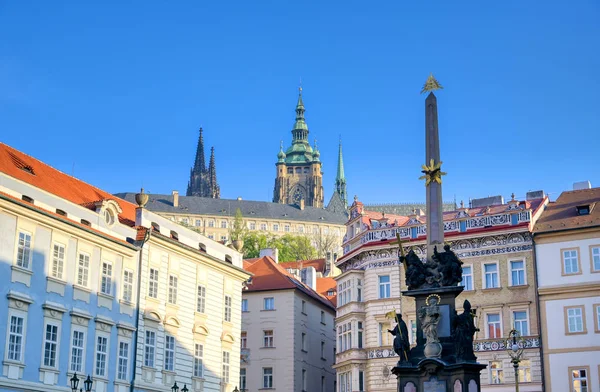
[(203, 181), (299, 176)]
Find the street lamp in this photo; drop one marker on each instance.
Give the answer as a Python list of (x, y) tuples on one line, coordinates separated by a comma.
[(175, 388), (75, 383), (236, 389), (515, 347), (185, 388)]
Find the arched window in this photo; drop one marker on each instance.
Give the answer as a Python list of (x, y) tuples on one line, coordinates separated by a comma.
[(228, 259), (155, 226), (61, 212), (174, 235), (202, 247), (86, 223), (27, 199)]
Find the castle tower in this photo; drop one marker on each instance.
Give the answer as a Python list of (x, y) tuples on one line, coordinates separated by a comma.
[(203, 182), (299, 175)]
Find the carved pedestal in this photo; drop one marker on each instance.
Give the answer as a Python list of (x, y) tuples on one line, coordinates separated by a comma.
[(432, 375)]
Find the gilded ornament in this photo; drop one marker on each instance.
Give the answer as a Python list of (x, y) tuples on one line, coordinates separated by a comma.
[(431, 84), (432, 173)]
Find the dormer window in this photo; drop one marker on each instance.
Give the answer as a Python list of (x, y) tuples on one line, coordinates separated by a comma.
[(583, 209), (109, 217), (86, 223), (174, 235), (155, 227), (202, 247), (27, 199), (228, 259), (330, 293), (61, 212)]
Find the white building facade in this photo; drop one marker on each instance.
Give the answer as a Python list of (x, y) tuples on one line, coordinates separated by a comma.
[(567, 245)]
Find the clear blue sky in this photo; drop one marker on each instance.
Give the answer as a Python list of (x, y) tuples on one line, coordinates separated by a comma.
[(118, 91)]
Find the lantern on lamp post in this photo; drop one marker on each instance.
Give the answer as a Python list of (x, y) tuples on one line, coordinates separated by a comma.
[(515, 347)]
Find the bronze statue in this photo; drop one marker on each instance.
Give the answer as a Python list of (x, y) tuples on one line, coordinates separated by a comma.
[(449, 266), (414, 270), (464, 328), (401, 342)]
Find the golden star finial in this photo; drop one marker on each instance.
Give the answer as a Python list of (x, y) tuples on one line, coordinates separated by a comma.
[(431, 84), (432, 173)]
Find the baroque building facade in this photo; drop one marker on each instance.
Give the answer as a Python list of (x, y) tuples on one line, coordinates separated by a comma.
[(567, 245), (96, 286), (203, 181), (495, 244)]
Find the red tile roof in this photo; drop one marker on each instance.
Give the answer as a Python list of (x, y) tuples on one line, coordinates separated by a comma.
[(317, 264), (326, 284), (268, 275), (35, 172), (562, 214)]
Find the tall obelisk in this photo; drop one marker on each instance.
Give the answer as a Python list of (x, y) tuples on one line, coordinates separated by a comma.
[(432, 170)]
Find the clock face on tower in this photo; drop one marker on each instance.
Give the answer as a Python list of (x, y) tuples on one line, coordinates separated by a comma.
[(298, 195)]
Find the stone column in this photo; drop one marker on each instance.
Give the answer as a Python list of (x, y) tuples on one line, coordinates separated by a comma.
[(435, 221)]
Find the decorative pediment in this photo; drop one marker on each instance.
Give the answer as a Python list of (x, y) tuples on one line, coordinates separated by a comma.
[(200, 329), (172, 321), (152, 315), (226, 337)]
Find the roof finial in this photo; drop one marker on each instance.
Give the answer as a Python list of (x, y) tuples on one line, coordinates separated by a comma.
[(512, 195), (431, 84), (281, 144), (300, 86)]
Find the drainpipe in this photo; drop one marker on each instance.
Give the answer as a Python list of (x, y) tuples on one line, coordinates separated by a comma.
[(137, 313), (539, 308)]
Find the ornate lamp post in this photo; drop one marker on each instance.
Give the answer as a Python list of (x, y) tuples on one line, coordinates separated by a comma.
[(75, 383), (515, 347), (175, 388), (185, 388)]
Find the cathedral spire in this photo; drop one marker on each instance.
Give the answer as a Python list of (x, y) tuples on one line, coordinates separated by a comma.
[(300, 131), (199, 163), (212, 176), (340, 179)]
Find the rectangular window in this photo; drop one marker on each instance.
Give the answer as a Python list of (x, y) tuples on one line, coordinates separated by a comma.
[(359, 326), (83, 268), (223, 224), (491, 276), (346, 382), (58, 261), (384, 286), (122, 361), (198, 358), (77, 347), (243, 379), (15, 339), (200, 306), (184, 221), (24, 250), (153, 283), (579, 380), (275, 227), (303, 341), (198, 222), (467, 277), (286, 228), (172, 289), (128, 285), (361, 380), (211, 223), (268, 338), (570, 261), (525, 370), (269, 303), (225, 375), (244, 340), (149, 348), (575, 320), (263, 226), (267, 377), (322, 350), (384, 336), (252, 226), (493, 323), (50, 343), (345, 336), (169, 353), (496, 372), (517, 272), (322, 383), (304, 380), (322, 317), (105, 285), (595, 255), (521, 323), (101, 354), (227, 315), (244, 305)]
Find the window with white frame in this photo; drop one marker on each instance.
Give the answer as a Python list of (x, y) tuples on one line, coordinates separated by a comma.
[(345, 292), (83, 269), (595, 255), (153, 283), (77, 350), (101, 355), (223, 224), (345, 336), (496, 372), (149, 348), (211, 223), (570, 261), (198, 360), (24, 250), (128, 285), (184, 221), (173, 289), (491, 276), (169, 362), (359, 290), (50, 345), (275, 227), (467, 277), (243, 379), (359, 334), (227, 315), (300, 229), (244, 339), (384, 286), (268, 338), (597, 309), (58, 260), (198, 222), (286, 228), (244, 305), (269, 303), (106, 280), (201, 304), (517, 272), (225, 375), (263, 226), (16, 337), (252, 225), (384, 336), (494, 325), (579, 380), (267, 373), (345, 384), (575, 319), (123, 361), (521, 322), (525, 370)]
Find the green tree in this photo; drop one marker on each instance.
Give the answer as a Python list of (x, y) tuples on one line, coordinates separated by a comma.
[(237, 230), (253, 243)]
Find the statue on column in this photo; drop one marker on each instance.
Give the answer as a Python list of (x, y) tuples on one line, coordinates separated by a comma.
[(464, 328), (429, 316), (401, 342)]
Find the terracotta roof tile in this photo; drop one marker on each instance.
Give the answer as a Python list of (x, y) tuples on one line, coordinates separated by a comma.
[(317, 264), (326, 284), (562, 214), (35, 172)]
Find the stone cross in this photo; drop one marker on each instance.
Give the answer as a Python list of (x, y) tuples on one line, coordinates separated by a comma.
[(435, 222)]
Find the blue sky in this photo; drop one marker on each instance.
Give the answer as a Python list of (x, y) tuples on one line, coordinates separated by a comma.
[(116, 92)]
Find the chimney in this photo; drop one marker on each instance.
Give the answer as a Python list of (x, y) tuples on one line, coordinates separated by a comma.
[(582, 185), (175, 198), (271, 252), (302, 204)]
